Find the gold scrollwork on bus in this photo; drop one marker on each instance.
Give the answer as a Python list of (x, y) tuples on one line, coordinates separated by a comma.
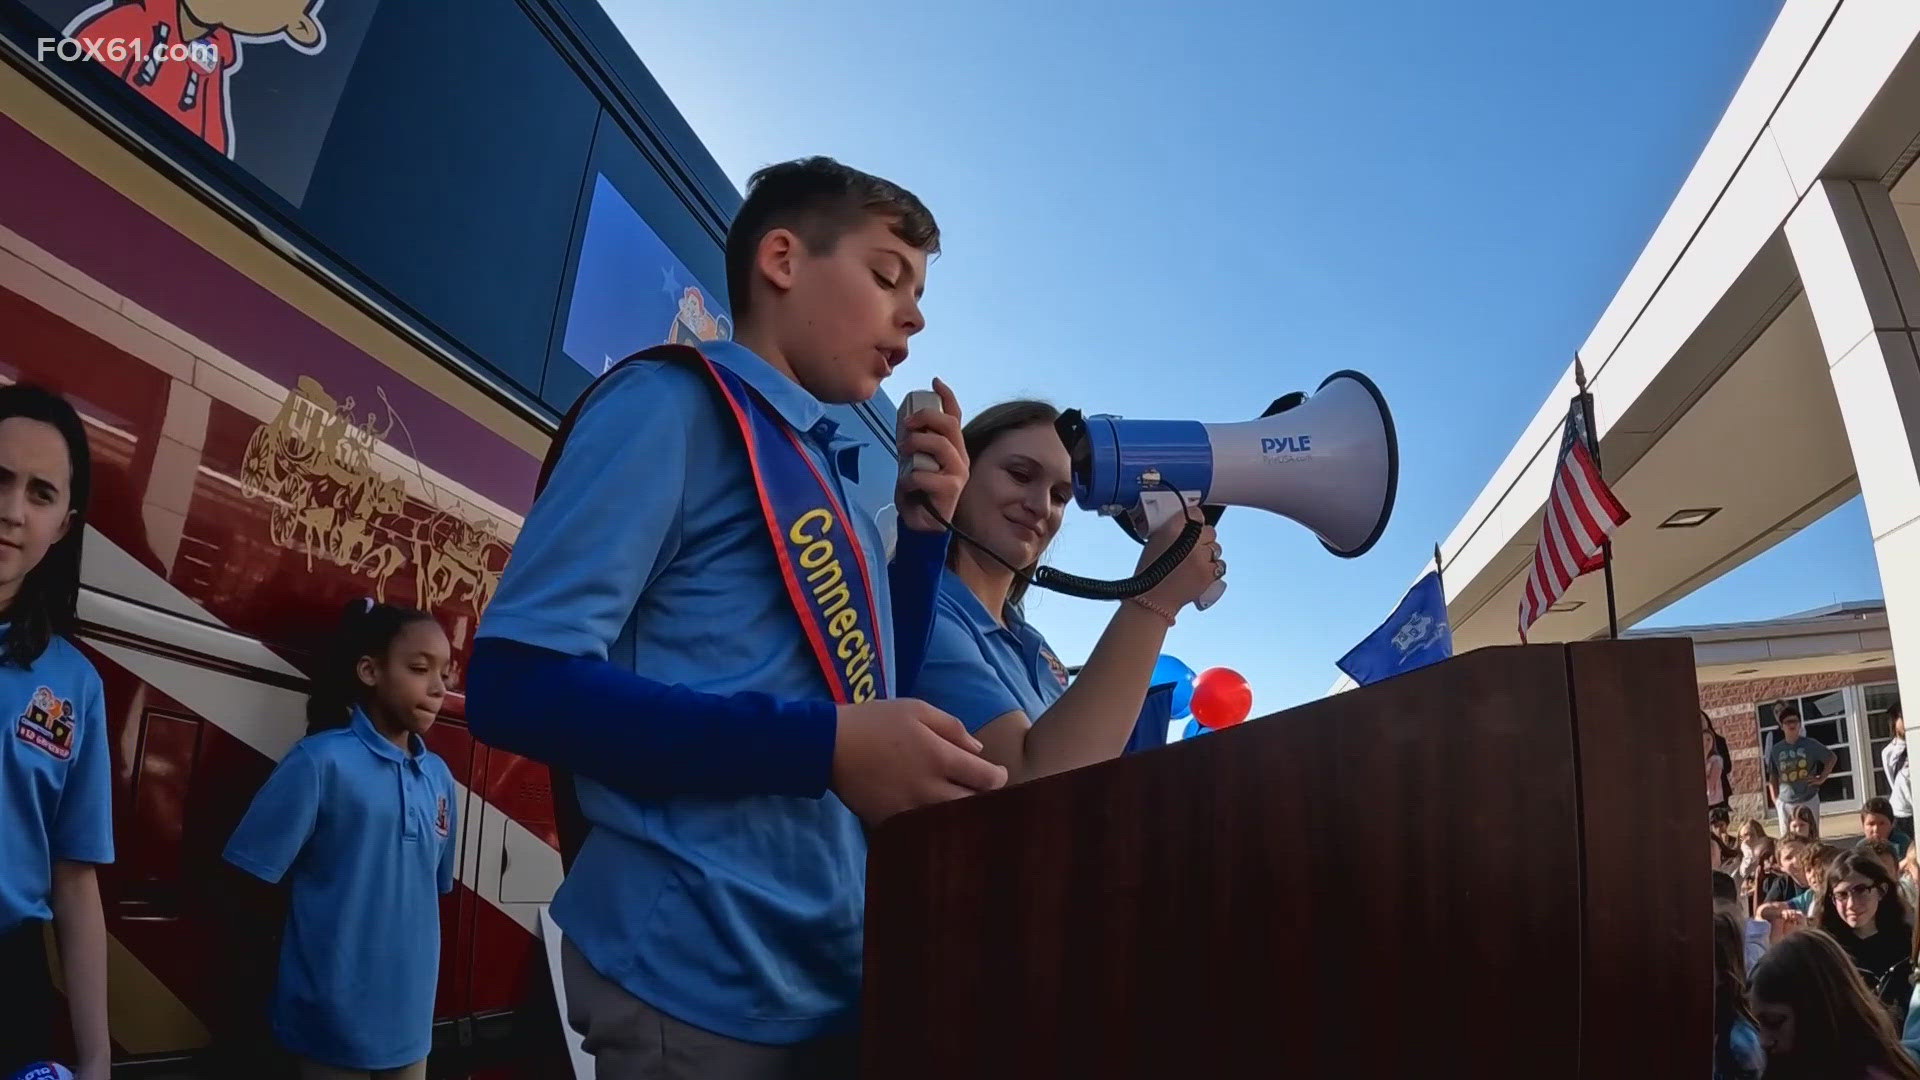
[(315, 464)]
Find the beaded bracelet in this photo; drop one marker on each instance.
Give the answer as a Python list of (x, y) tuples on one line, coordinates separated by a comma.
[(1155, 608)]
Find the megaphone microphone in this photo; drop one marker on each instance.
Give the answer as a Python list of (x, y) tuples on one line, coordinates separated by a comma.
[(1330, 462)]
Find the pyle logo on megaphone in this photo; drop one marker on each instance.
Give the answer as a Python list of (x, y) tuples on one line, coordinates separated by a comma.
[(1286, 447)]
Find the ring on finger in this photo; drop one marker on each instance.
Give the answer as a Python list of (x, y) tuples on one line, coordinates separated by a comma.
[(1220, 570)]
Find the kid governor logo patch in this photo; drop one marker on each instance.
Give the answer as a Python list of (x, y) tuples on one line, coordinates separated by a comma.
[(440, 817), (48, 724), (1054, 665)]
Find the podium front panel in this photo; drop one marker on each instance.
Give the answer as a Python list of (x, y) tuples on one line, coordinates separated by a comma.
[(1387, 882)]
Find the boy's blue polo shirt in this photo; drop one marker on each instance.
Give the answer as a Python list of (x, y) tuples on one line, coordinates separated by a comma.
[(978, 670), (55, 780), (648, 548), (365, 837)]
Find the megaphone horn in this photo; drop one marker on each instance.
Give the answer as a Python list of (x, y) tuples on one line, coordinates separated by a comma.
[(1330, 462)]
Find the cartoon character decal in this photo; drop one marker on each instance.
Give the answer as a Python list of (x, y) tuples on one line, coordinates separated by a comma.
[(181, 54)]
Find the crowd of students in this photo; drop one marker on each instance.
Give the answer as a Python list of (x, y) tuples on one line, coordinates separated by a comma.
[(733, 669), (1816, 946)]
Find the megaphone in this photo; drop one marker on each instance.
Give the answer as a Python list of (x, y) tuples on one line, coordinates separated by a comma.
[(1330, 462)]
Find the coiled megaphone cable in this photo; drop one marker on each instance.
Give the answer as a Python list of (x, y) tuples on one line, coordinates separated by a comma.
[(1086, 588)]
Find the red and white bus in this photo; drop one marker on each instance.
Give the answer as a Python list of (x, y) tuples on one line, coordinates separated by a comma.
[(321, 275)]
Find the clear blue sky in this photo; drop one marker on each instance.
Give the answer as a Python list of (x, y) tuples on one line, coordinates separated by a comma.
[(1187, 209)]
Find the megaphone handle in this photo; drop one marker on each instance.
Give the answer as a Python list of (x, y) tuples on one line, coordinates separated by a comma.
[(1211, 596), (1159, 507)]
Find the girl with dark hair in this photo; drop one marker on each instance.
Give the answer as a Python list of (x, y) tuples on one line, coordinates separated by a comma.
[(1817, 1020), (57, 776), (1736, 1040), (992, 670), (1719, 766), (359, 819), (1861, 910)]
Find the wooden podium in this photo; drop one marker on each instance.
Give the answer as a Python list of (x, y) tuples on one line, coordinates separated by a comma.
[(1492, 867)]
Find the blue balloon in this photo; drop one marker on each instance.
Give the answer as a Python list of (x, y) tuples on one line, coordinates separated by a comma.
[(46, 1070), (1194, 727), (1169, 669)]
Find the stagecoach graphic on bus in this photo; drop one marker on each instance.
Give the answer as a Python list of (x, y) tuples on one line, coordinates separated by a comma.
[(314, 462)]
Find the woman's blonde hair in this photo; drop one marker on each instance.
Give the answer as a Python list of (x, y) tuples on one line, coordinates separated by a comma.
[(981, 432)]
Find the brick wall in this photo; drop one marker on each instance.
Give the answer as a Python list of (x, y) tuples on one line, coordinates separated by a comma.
[(1734, 708)]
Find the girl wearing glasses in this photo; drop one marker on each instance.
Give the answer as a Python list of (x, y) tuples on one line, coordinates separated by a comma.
[(1862, 911)]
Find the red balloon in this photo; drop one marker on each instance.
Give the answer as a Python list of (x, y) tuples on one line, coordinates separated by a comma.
[(1221, 698)]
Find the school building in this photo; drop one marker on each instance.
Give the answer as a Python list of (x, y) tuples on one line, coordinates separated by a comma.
[(1758, 367), (1834, 665)]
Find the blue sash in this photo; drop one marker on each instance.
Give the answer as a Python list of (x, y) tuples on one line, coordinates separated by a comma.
[(821, 563)]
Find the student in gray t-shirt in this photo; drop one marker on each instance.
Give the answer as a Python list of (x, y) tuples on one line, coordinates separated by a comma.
[(1795, 769)]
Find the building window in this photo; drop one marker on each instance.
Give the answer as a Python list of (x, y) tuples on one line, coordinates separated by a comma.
[(1878, 698), (1824, 718)]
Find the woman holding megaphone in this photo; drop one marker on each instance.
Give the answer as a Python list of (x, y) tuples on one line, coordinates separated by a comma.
[(985, 664)]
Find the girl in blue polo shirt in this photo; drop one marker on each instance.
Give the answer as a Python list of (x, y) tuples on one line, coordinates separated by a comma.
[(54, 774), (991, 669), (359, 819)]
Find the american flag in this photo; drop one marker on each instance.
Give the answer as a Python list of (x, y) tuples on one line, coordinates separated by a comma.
[(1581, 514)]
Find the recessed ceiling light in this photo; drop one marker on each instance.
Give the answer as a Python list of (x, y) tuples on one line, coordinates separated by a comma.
[(1568, 605), (1748, 671), (1688, 519), (1874, 660)]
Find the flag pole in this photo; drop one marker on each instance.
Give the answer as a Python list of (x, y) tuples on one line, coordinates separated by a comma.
[(1439, 575), (1593, 449)]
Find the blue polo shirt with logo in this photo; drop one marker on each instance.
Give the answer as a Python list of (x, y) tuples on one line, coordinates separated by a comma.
[(648, 549), (979, 670), (364, 834), (55, 780)]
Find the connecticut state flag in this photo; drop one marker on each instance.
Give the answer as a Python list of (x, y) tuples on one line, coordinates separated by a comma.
[(1415, 635)]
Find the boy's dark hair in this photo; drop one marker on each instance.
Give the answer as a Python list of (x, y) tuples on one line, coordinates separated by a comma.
[(1718, 815), (1784, 710), (366, 629), (819, 200), (1893, 711), (49, 598), (1877, 805), (1724, 887)]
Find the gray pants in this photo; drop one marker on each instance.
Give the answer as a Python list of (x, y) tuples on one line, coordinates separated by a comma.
[(631, 1040), (1786, 814)]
